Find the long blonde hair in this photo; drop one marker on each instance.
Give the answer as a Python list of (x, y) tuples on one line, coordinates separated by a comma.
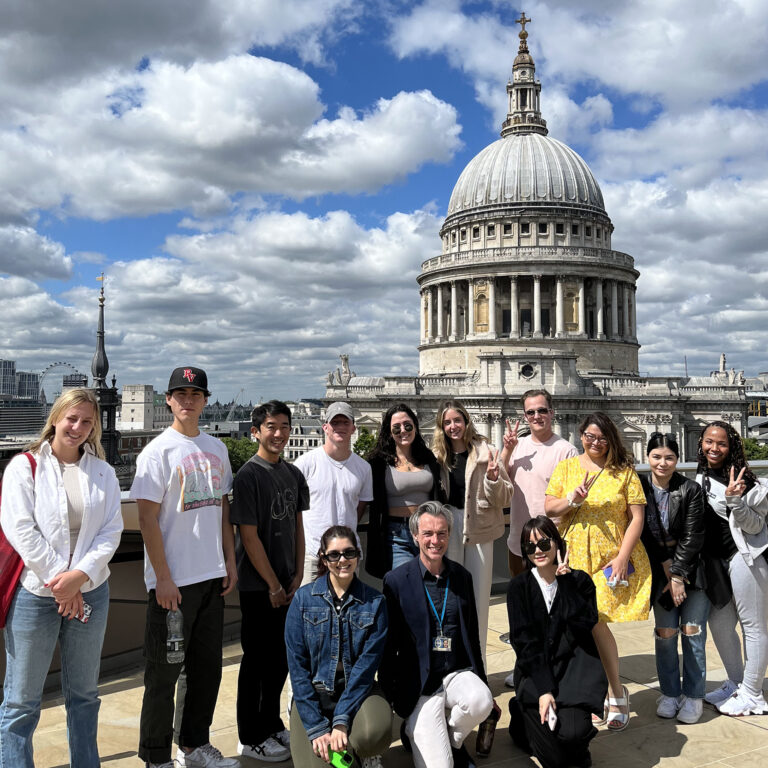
[(64, 402), (441, 445)]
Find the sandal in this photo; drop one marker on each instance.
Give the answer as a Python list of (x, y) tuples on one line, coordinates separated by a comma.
[(618, 721)]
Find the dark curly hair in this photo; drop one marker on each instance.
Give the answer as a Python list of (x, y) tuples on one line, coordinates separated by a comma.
[(735, 457), (385, 443)]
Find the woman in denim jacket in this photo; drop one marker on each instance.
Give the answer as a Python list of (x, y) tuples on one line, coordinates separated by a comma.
[(335, 634)]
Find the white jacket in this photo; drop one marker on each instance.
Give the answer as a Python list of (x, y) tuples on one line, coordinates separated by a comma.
[(36, 523), (746, 516)]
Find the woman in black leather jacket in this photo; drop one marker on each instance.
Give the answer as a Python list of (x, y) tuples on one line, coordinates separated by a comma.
[(673, 536)]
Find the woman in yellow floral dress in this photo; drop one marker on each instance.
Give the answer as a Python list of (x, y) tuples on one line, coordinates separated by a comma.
[(600, 502)]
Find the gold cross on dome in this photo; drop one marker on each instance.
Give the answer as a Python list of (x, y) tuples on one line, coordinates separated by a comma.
[(522, 21)]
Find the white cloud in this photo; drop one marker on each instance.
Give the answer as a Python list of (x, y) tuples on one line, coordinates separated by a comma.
[(25, 253), (173, 137), (269, 302)]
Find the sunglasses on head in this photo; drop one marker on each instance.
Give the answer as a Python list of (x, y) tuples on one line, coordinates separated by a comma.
[(334, 556), (543, 544), (398, 428), (536, 412)]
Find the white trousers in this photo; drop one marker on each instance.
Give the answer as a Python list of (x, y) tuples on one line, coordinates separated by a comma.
[(478, 560), (444, 719)]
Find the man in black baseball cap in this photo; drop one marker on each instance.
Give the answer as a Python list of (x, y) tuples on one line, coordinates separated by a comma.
[(182, 480)]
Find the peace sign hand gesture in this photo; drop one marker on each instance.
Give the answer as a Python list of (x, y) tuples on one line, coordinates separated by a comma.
[(738, 486), (510, 435), (492, 473), (582, 491), (562, 563)]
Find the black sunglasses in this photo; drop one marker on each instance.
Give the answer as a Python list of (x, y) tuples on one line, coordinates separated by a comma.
[(398, 428), (543, 544), (348, 554), (536, 412)]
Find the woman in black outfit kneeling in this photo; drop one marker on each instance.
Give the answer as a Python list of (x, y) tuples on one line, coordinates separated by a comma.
[(559, 678)]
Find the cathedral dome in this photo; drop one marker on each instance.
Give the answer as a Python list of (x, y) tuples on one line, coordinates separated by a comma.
[(526, 169)]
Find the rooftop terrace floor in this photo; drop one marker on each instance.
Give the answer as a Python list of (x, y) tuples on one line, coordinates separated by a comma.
[(715, 740)]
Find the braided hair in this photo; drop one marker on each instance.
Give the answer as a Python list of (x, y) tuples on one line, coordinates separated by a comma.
[(735, 457)]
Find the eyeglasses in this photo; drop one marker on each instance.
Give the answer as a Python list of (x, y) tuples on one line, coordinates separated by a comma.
[(398, 428), (536, 412), (543, 544), (348, 554), (590, 438)]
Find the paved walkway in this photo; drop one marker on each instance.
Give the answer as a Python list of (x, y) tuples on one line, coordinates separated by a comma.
[(648, 741)]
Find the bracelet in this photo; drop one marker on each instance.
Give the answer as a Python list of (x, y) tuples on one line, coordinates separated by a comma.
[(272, 594), (677, 579), (571, 503)]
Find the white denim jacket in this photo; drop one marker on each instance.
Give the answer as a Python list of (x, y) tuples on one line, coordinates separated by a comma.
[(36, 523)]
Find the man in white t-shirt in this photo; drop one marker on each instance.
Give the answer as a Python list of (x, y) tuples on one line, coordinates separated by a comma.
[(339, 481), (530, 461), (182, 480)]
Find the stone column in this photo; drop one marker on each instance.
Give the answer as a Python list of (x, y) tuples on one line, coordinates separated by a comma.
[(627, 327), (492, 307), (430, 335), (599, 307), (471, 306), (422, 316), (483, 422), (614, 309), (440, 313), (537, 306), (497, 432), (559, 309), (454, 313), (557, 425), (633, 314), (582, 309), (514, 310)]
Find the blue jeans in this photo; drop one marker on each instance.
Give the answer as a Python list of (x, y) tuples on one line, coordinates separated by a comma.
[(31, 632), (404, 548), (693, 611)]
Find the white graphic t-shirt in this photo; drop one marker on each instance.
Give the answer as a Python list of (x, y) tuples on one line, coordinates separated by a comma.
[(187, 476)]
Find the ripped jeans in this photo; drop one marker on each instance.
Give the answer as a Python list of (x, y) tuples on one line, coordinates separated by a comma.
[(693, 612)]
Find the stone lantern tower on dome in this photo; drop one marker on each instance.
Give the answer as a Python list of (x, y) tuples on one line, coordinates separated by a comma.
[(526, 268)]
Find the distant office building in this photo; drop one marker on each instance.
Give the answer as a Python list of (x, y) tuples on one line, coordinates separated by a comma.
[(28, 385), (143, 409), (8, 377)]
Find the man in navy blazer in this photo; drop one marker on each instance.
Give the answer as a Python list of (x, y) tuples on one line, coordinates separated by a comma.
[(432, 670)]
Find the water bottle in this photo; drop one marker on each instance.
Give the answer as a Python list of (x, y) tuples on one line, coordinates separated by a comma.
[(486, 731), (174, 643)]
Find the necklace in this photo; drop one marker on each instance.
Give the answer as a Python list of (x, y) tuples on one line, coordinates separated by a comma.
[(409, 466)]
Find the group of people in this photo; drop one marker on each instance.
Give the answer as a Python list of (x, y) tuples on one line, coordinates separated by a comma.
[(590, 543)]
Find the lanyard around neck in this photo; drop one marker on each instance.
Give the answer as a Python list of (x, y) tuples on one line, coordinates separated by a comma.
[(445, 602)]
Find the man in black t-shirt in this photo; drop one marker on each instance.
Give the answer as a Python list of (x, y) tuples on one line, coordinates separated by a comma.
[(269, 497)]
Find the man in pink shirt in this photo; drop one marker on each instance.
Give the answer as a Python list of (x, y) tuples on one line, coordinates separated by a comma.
[(530, 461)]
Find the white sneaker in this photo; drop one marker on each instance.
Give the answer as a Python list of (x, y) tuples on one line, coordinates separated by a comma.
[(667, 706), (169, 764), (372, 762), (509, 680), (206, 756), (743, 703), (690, 710), (284, 738), (270, 751), (719, 695)]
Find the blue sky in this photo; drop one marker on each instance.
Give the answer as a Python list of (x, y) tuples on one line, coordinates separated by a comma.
[(260, 180)]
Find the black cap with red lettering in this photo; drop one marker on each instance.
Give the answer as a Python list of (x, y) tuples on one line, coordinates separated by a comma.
[(189, 377)]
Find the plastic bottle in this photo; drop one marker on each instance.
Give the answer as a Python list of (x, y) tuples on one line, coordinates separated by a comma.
[(486, 731), (174, 643)]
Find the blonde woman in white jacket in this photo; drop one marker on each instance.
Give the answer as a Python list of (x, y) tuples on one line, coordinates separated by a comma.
[(64, 521), (478, 489)]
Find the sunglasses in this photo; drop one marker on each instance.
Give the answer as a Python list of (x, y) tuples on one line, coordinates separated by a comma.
[(543, 544), (348, 554), (398, 428), (536, 412), (590, 438)]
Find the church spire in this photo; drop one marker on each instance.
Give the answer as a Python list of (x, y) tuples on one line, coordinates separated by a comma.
[(523, 91), (100, 364)]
